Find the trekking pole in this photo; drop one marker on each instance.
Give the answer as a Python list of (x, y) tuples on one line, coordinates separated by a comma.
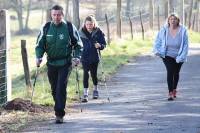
[(103, 74), (33, 89), (78, 86), (77, 79), (35, 78)]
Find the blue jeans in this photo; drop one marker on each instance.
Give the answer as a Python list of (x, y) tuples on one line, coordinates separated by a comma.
[(58, 78)]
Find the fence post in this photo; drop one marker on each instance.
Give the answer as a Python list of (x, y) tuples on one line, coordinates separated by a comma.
[(26, 67), (142, 25), (5, 78), (108, 29)]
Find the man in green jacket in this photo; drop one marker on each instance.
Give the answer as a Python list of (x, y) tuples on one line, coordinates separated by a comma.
[(58, 39)]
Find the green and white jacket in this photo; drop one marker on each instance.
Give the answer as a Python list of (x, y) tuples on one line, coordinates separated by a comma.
[(58, 42)]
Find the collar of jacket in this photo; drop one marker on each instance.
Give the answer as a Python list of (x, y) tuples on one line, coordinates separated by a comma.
[(62, 22), (83, 35)]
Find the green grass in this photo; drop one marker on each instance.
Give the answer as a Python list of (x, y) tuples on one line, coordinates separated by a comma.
[(194, 37)]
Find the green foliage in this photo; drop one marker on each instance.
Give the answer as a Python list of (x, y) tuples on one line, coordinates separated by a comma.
[(194, 37)]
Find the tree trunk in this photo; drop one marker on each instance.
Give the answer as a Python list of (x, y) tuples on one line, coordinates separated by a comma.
[(128, 5), (171, 5), (151, 15), (17, 5), (182, 12), (190, 14), (28, 13), (76, 19), (119, 18), (66, 9), (158, 13), (197, 18), (166, 9), (98, 11)]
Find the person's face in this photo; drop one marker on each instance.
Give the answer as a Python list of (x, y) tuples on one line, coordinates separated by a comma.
[(173, 21), (89, 26), (56, 16)]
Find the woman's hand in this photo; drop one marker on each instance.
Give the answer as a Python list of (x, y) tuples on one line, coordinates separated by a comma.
[(97, 45)]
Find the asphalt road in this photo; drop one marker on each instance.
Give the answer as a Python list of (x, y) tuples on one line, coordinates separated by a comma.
[(138, 93)]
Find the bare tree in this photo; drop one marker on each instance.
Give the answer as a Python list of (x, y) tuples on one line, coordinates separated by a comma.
[(66, 9), (182, 12), (197, 20), (28, 13), (166, 8), (76, 19), (98, 9), (17, 6), (128, 7), (190, 14), (119, 18), (171, 6), (151, 13)]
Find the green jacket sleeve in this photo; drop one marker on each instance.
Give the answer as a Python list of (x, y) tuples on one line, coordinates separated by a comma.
[(40, 44)]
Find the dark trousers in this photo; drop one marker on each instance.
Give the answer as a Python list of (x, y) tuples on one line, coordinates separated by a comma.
[(93, 72), (58, 78), (173, 70)]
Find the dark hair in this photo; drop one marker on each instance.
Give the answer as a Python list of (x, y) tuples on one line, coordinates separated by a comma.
[(173, 15), (58, 7)]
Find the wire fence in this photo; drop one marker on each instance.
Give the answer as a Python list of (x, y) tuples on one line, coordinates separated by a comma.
[(3, 81)]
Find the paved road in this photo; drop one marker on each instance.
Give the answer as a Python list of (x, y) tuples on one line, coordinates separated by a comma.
[(138, 94)]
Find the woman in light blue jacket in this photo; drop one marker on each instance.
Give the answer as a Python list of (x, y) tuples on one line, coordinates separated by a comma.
[(171, 45)]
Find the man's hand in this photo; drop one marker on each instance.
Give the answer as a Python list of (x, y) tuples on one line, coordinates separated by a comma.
[(75, 62), (38, 61), (97, 45)]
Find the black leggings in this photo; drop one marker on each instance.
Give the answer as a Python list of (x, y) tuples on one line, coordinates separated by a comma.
[(93, 72), (173, 70)]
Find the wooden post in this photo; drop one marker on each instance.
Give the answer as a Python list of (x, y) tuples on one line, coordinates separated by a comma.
[(131, 26), (26, 66), (142, 25), (108, 29), (5, 78)]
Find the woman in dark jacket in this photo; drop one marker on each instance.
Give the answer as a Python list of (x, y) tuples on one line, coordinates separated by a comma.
[(93, 41)]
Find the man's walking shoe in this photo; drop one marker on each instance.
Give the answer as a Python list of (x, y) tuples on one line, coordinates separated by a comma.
[(85, 99), (59, 120), (171, 96), (95, 94), (174, 93)]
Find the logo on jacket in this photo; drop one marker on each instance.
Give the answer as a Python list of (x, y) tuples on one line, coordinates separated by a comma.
[(61, 36)]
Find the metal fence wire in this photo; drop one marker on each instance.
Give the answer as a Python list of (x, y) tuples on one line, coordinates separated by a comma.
[(3, 82)]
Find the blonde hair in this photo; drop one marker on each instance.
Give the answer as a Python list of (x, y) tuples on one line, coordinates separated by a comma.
[(173, 15), (91, 18)]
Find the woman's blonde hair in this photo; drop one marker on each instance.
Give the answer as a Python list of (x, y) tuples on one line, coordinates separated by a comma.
[(91, 18), (173, 15)]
